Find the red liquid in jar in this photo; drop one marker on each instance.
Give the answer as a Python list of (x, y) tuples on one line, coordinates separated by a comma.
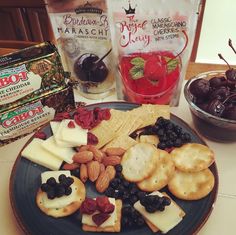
[(154, 87)]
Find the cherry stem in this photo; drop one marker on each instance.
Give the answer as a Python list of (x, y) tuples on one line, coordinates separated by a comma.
[(99, 60), (231, 45), (185, 45), (229, 98), (222, 58)]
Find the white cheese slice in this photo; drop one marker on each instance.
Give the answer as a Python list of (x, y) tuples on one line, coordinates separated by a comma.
[(87, 219), (64, 153), (75, 136), (55, 174), (55, 128), (60, 202), (37, 154), (164, 220)]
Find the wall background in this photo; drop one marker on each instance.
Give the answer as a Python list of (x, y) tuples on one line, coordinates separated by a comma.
[(219, 24)]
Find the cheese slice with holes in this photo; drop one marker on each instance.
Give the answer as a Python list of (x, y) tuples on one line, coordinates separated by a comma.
[(87, 219), (37, 154), (61, 201), (164, 220), (55, 127), (64, 153), (75, 136)]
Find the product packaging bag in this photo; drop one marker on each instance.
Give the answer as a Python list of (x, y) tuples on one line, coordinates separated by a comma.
[(83, 38), (152, 41)]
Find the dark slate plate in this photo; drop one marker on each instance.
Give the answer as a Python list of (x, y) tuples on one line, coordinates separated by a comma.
[(25, 181)]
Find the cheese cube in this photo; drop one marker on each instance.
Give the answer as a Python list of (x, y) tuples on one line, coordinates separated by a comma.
[(37, 154), (64, 153)]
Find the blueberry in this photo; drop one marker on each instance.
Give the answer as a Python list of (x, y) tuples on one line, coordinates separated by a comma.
[(133, 199), (166, 201), (60, 191), (124, 221), (161, 145), (134, 190), (150, 209), (68, 191), (141, 194), (140, 221), (62, 178), (51, 181), (118, 168), (115, 183), (126, 210), (76, 172), (51, 194), (69, 181), (126, 184), (45, 187), (109, 192)]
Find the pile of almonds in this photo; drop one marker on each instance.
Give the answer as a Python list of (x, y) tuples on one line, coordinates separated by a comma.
[(96, 165)]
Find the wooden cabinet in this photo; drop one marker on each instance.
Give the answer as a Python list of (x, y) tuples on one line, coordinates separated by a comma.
[(25, 21)]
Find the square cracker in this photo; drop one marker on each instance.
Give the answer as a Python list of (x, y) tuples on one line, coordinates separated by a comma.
[(106, 130), (115, 228), (122, 141), (149, 113)]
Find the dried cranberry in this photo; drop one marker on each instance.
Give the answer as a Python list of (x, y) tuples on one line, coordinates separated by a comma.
[(108, 208), (92, 139), (100, 218), (40, 135), (61, 116), (89, 206), (71, 124), (102, 201)]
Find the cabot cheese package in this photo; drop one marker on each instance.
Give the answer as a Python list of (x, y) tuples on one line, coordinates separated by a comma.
[(24, 119), (29, 74)]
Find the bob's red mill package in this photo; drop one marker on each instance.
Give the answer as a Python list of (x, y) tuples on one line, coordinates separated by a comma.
[(152, 41), (82, 33), (32, 90)]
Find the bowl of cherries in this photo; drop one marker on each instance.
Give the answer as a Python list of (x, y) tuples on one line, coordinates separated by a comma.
[(212, 101)]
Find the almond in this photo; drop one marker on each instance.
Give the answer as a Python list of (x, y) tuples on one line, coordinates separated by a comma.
[(111, 171), (115, 151), (102, 167), (70, 167), (83, 148), (111, 160), (97, 154), (83, 173), (102, 182), (93, 170), (83, 157)]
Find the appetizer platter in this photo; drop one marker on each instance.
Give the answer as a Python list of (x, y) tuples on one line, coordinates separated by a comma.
[(114, 168)]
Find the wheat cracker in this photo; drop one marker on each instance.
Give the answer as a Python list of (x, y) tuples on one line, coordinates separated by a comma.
[(67, 210), (163, 172), (192, 157), (191, 186), (139, 162)]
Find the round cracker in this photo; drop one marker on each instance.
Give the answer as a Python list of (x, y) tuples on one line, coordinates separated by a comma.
[(79, 196), (192, 157), (191, 186), (139, 162), (162, 174)]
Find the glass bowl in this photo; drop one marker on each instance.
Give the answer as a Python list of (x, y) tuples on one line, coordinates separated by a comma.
[(213, 127)]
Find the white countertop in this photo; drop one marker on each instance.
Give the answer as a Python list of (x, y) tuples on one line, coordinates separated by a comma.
[(221, 221)]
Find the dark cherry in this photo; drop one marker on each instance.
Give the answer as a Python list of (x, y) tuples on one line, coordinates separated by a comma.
[(230, 113), (220, 93), (88, 70), (200, 88), (231, 74), (216, 108), (217, 81)]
